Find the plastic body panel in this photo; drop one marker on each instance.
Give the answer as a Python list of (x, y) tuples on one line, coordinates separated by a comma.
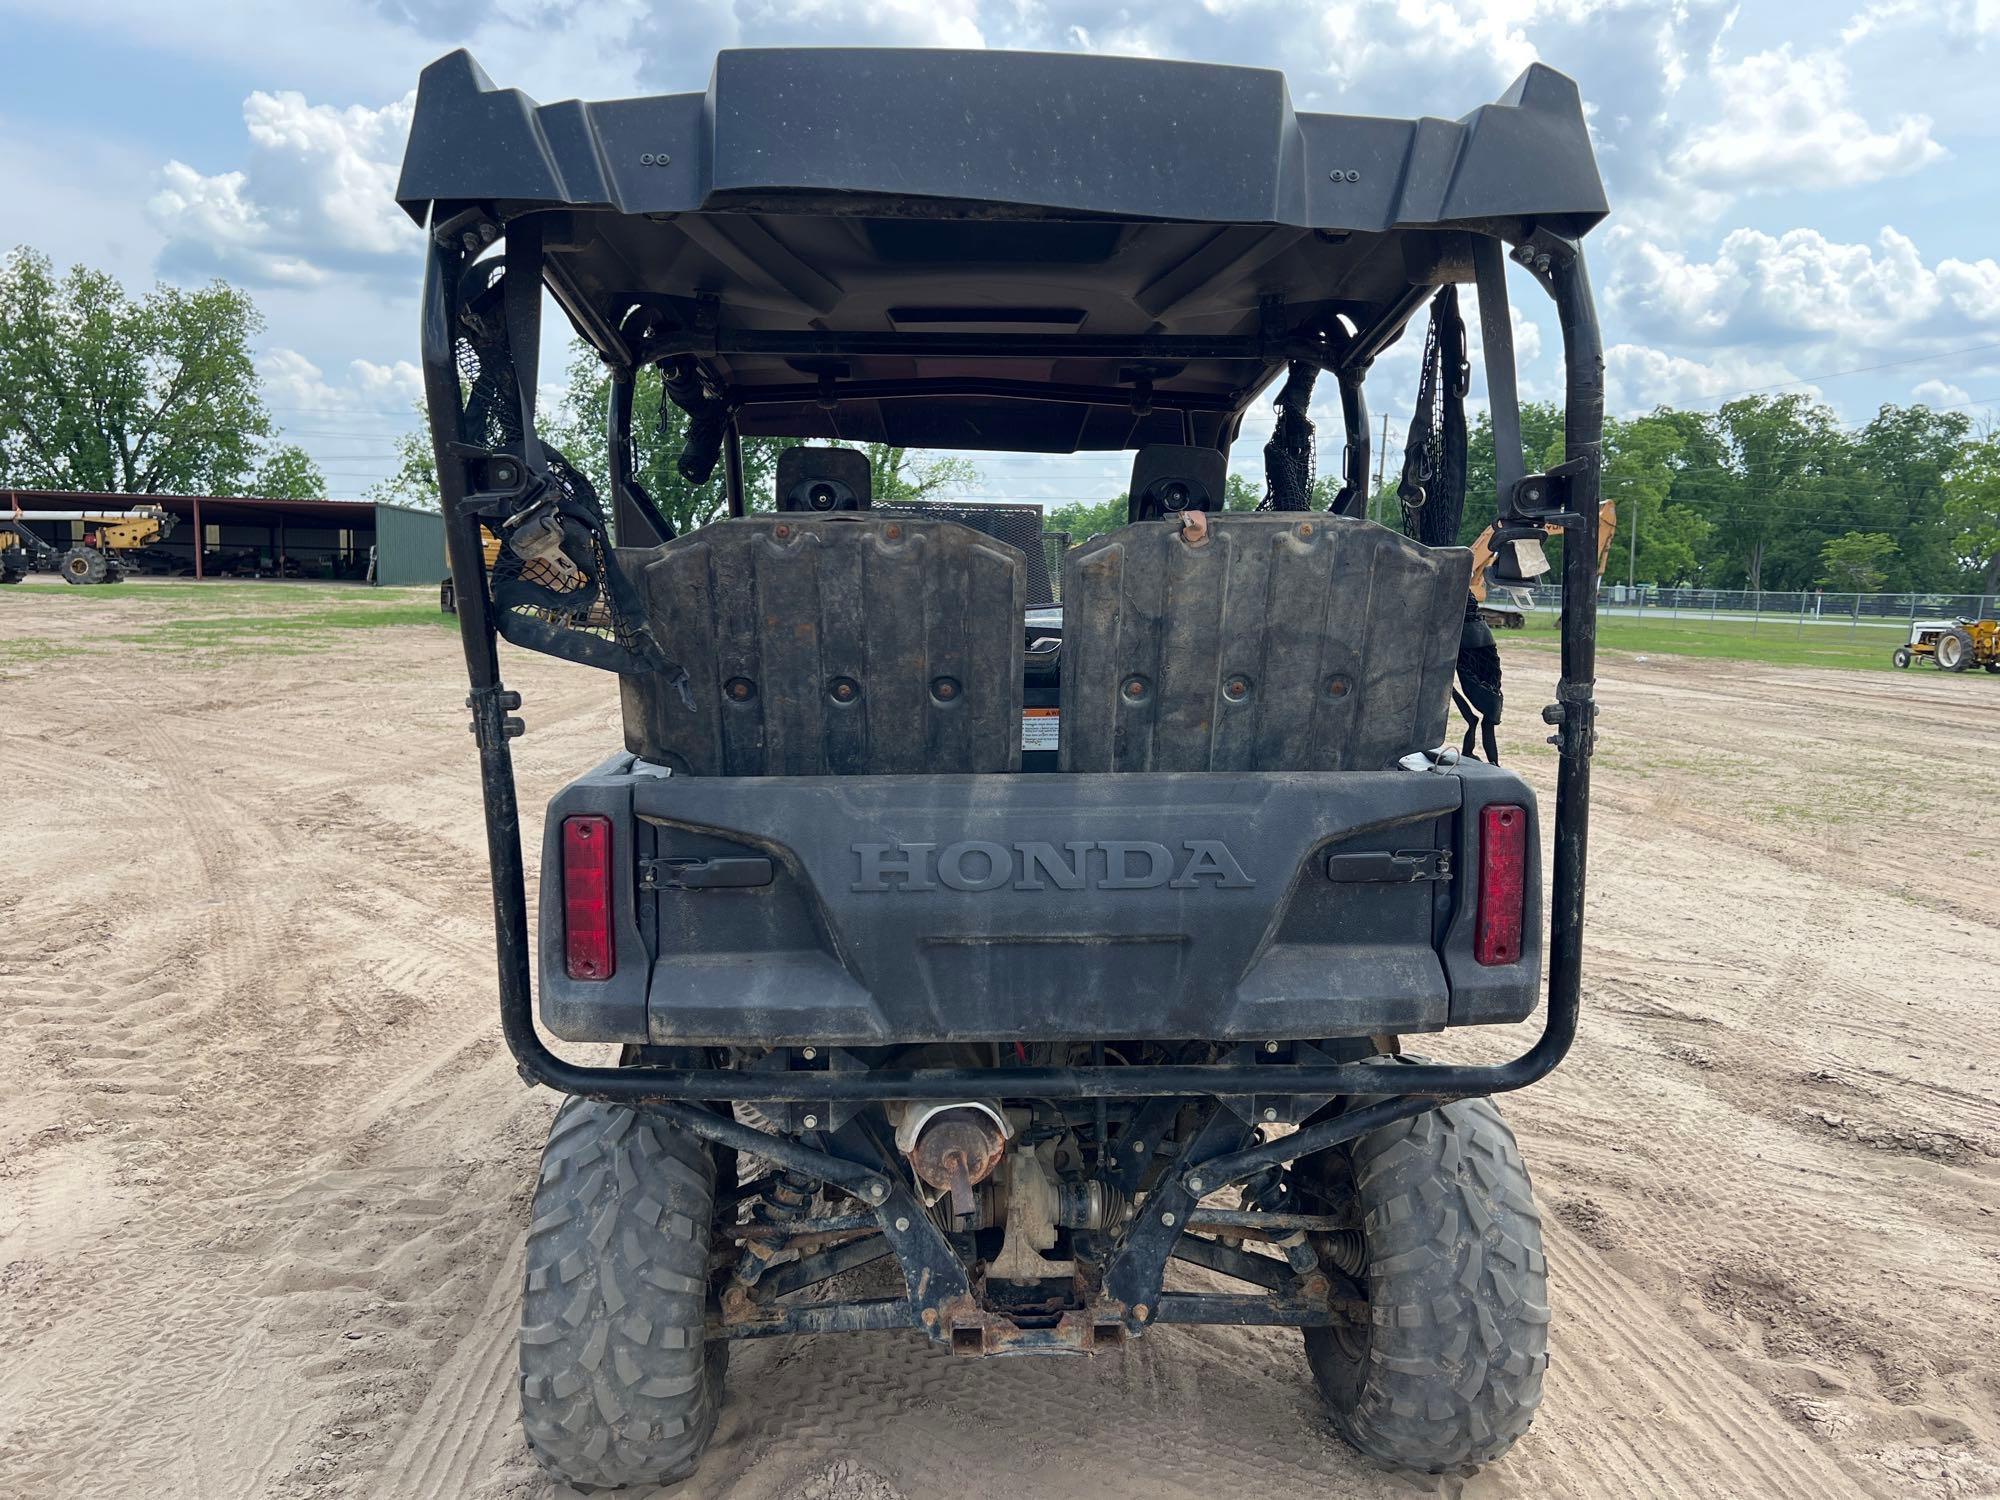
[(1265, 642), (843, 644), (1051, 907), (1028, 131)]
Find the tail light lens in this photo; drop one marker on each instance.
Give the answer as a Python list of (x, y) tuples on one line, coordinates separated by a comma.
[(1503, 883), (586, 871)]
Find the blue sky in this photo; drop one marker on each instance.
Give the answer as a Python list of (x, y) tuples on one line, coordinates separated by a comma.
[(1799, 190)]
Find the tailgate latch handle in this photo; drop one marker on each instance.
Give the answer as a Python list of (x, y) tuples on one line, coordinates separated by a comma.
[(725, 872), (1389, 866)]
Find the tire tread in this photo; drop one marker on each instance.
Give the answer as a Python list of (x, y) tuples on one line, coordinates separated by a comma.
[(617, 1386)]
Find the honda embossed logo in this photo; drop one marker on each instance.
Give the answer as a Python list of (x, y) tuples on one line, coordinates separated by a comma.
[(1076, 865)]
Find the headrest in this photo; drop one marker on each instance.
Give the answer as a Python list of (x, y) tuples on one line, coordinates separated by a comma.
[(822, 479), (1168, 479)]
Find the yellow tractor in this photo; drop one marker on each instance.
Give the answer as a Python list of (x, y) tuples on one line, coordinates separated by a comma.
[(1952, 645), (96, 558)]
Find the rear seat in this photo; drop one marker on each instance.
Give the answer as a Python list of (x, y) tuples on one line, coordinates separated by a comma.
[(1257, 642), (850, 643)]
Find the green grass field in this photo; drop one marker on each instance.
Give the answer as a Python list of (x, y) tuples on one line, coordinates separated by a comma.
[(1780, 642)]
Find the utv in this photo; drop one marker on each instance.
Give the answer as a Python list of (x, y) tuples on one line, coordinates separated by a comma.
[(1028, 925)]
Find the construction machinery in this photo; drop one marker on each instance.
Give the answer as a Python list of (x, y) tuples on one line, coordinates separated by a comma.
[(98, 558), (21, 551), (1952, 645)]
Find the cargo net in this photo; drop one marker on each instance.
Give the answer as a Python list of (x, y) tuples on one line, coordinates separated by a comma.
[(1432, 491), (1016, 525), (567, 587)]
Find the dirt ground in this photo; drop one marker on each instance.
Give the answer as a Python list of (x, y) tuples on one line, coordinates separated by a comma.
[(264, 1164)]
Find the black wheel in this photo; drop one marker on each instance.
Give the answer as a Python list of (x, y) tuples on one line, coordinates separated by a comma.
[(1954, 649), (618, 1385), (1447, 1372), (84, 565), (1900, 656)]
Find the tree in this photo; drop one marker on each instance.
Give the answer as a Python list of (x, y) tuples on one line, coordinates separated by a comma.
[(898, 476), (1657, 542), (1903, 458), (1081, 520), (1856, 562), (287, 473), (1972, 512), (414, 484), (1783, 461), (154, 396)]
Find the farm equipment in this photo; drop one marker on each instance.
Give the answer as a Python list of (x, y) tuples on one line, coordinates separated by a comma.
[(21, 551), (1024, 938), (97, 558), (1951, 645)]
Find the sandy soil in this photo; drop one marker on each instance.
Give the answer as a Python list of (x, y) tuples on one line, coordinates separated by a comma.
[(264, 1164)]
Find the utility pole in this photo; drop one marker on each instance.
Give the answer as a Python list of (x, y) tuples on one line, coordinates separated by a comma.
[(1632, 553)]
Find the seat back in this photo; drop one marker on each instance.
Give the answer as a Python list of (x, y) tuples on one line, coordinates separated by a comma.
[(1257, 642), (858, 643)]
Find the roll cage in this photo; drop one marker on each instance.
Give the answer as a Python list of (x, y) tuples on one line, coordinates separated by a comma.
[(655, 270)]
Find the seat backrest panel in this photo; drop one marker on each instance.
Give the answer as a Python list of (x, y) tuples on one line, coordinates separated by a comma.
[(838, 644), (1273, 643)]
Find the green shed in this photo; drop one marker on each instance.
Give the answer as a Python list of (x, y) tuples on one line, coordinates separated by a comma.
[(409, 545)]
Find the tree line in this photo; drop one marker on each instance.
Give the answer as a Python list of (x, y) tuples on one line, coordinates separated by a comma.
[(1772, 493), (158, 394), (1763, 493)]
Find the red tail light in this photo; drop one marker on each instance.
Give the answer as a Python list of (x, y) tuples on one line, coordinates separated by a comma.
[(586, 871), (1503, 884)]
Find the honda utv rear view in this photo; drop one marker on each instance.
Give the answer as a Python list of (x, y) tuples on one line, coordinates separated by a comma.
[(1027, 918)]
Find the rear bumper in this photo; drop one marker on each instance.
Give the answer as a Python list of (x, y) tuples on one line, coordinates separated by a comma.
[(903, 909)]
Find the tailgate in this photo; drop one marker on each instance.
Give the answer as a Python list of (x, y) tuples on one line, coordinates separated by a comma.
[(854, 910)]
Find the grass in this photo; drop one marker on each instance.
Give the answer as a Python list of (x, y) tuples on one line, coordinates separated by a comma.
[(228, 618), (1778, 642)]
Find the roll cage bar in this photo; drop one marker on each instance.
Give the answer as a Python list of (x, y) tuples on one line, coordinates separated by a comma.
[(1527, 506)]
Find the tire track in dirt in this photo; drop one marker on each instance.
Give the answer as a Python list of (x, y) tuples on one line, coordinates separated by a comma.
[(268, 1151)]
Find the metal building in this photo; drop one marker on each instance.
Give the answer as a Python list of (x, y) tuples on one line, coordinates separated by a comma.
[(247, 536)]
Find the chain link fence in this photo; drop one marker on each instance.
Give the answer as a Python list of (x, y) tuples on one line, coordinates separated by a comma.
[(1772, 606)]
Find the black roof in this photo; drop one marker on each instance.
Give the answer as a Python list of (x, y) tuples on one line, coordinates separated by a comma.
[(872, 215)]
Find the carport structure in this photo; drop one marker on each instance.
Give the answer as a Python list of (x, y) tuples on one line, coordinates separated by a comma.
[(250, 536)]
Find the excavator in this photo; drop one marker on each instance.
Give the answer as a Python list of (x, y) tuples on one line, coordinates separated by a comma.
[(95, 559)]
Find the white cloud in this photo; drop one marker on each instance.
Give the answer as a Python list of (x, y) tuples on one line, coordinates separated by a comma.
[(295, 384), (1940, 393), (1786, 123), (901, 23), (1801, 286), (315, 197), (1977, 20), (1638, 378)]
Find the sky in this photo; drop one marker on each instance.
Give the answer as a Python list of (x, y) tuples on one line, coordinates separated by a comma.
[(1804, 192)]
